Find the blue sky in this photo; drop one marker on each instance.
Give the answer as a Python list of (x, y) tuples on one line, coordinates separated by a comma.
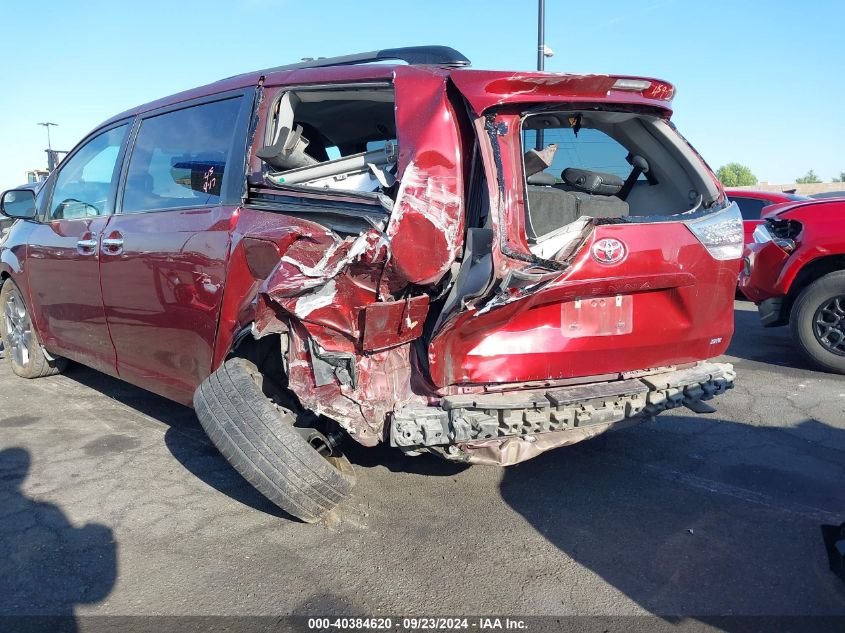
[(760, 83)]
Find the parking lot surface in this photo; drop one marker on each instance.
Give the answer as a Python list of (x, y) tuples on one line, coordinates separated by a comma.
[(112, 501)]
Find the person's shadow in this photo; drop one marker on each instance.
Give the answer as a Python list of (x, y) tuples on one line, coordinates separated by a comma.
[(46, 564)]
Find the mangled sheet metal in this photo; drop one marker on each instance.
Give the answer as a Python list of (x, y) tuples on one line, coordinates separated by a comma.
[(353, 305)]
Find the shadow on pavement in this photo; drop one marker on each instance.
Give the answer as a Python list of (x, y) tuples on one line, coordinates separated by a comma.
[(185, 439), (676, 516), (773, 346), (396, 461), (46, 564)]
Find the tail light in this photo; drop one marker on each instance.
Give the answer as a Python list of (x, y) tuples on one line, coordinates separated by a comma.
[(650, 89), (720, 233)]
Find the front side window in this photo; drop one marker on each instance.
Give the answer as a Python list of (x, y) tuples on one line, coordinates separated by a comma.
[(83, 184), (179, 158)]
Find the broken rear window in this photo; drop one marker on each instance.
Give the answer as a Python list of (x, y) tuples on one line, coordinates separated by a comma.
[(337, 139), (605, 164)]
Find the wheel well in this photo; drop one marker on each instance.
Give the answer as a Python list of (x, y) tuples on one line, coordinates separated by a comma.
[(265, 353), (808, 274)]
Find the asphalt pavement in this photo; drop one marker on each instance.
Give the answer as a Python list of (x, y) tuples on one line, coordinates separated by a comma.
[(112, 501)]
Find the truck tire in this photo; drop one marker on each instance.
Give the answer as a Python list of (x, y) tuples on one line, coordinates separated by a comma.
[(817, 322), (20, 342), (259, 439)]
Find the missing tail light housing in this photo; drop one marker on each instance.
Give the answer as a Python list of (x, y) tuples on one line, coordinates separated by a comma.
[(783, 228), (721, 233), (780, 231)]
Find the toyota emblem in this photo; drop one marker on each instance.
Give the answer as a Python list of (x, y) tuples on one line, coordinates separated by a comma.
[(609, 251)]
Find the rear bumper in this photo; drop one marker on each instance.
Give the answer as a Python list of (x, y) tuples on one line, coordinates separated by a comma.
[(510, 427)]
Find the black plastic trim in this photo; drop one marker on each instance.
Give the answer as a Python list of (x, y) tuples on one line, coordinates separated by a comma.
[(771, 311)]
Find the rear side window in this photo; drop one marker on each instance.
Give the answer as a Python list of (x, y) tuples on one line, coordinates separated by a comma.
[(179, 158), (83, 184), (340, 139), (750, 208)]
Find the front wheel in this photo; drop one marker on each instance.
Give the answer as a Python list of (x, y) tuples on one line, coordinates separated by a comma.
[(20, 343), (817, 322), (288, 465)]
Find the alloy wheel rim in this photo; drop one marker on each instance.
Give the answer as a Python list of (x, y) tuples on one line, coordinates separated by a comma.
[(829, 325), (18, 329)]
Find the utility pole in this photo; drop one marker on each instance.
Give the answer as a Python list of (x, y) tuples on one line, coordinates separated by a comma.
[(541, 56), (541, 36), (51, 157)]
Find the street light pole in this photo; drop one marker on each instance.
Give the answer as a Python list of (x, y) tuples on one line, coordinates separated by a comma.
[(51, 159), (541, 35), (541, 56)]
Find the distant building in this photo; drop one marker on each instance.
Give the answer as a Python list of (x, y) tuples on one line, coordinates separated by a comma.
[(801, 189), (36, 175)]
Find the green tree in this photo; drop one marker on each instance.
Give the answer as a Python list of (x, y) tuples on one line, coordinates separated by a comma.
[(841, 177), (808, 178), (736, 175)]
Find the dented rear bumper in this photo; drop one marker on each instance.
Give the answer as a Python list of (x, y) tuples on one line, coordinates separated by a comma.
[(507, 428)]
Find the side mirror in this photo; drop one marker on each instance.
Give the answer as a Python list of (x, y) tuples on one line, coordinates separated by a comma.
[(18, 204)]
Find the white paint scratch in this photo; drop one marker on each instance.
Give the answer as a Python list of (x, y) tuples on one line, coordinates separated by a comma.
[(306, 304)]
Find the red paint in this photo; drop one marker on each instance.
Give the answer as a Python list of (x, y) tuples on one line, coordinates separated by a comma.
[(773, 270), (486, 88), (427, 226), (65, 299), (677, 313), (162, 296), (389, 323)]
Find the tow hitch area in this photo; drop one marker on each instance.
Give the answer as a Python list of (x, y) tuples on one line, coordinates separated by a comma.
[(472, 421)]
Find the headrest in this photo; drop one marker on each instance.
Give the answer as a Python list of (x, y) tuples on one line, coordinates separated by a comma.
[(541, 178), (594, 182)]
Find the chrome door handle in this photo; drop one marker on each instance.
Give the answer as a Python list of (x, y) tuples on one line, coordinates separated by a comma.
[(87, 245), (112, 245)]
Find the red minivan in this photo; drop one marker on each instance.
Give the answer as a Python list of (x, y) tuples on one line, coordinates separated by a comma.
[(479, 264)]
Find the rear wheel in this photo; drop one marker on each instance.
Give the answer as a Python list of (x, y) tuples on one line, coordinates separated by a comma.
[(818, 322), (20, 342), (296, 468)]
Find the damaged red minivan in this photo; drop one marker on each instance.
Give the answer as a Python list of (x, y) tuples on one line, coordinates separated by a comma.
[(484, 265)]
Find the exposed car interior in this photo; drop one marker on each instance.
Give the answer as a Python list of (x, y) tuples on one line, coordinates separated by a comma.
[(599, 164), (333, 139)]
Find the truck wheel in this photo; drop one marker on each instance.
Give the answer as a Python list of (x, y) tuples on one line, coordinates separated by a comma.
[(259, 439), (818, 322), (20, 342)]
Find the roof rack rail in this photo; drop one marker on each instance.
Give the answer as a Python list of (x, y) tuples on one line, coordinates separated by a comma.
[(433, 55)]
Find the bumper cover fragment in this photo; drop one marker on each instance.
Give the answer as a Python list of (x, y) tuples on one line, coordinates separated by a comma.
[(528, 413)]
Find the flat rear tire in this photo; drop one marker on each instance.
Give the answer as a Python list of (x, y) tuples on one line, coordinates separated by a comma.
[(259, 439)]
